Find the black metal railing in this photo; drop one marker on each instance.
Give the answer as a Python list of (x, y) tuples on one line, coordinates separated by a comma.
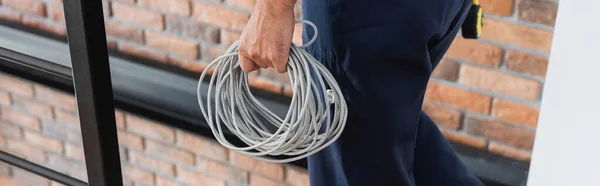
[(93, 90), (40, 170)]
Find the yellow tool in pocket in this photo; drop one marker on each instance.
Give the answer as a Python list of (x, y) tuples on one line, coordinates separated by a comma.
[(471, 28)]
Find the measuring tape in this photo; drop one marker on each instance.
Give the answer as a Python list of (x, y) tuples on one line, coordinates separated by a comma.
[(471, 28)]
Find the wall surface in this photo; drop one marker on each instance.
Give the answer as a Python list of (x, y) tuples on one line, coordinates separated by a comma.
[(485, 93), (40, 124), (569, 155)]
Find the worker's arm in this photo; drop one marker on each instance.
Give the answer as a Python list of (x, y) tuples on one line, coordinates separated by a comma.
[(266, 39)]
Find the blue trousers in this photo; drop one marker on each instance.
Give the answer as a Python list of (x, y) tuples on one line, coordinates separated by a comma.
[(382, 54)]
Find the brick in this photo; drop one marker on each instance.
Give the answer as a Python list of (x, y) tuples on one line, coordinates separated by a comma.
[(203, 65), (243, 4), (499, 82), (4, 170), (256, 180), (70, 119), (265, 85), (538, 11), (58, 99), (218, 15), (124, 31), (23, 177), (196, 178), (191, 65), (158, 166), (45, 25), (34, 7), (150, 129), (34, 107), (53, 183), (142, 52), (459, 98), (165, 182), (296, 177), (138, 175), (272, 74), (515, 113), (179, 7), (130, 140), (111, 44), (202, 146), (126, 1), (493, 130), (10, 15), (120, 119), (137, 15), (517, 35), (43, 142), (510, 152), (475, 52), (124, 154), (270, 170), (192, 28), (20, 119), (443, 116), (211, 52), (169, 153), (11, 131), (61, 132), (179, 46), (5, 99), (526, 63), (24, 150), (228, 37), (16, 85), (81, 175), (56, 13), (106, 8), (222, 171), (2, 143), (498, 7), (5, 181), (128, 182), (75, 152), (465, 139), (446, 70), (62, 164)]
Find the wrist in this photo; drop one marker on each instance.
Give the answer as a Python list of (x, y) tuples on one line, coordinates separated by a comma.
[(276, 7)]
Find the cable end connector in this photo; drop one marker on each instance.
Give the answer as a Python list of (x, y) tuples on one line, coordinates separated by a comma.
[(330, 96)]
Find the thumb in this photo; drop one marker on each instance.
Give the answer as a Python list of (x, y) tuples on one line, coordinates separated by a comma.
[(247, 64)]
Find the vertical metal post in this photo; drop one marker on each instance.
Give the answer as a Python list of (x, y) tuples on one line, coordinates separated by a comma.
[(93, 89)]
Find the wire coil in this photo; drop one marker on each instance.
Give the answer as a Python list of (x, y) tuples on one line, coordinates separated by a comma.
[(316, 116)]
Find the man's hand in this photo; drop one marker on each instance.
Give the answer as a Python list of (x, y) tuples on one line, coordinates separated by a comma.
[(267, 38)]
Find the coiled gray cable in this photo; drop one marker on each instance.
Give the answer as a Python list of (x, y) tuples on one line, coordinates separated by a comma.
[(316, 116)]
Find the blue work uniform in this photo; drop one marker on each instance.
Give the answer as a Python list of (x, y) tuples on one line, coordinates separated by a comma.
[(382, 54)]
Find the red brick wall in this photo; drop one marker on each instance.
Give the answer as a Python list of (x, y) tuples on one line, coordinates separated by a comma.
[(485, 93), (40, 124)]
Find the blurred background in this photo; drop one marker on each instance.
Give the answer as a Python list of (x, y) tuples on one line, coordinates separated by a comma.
[(484, 95)]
